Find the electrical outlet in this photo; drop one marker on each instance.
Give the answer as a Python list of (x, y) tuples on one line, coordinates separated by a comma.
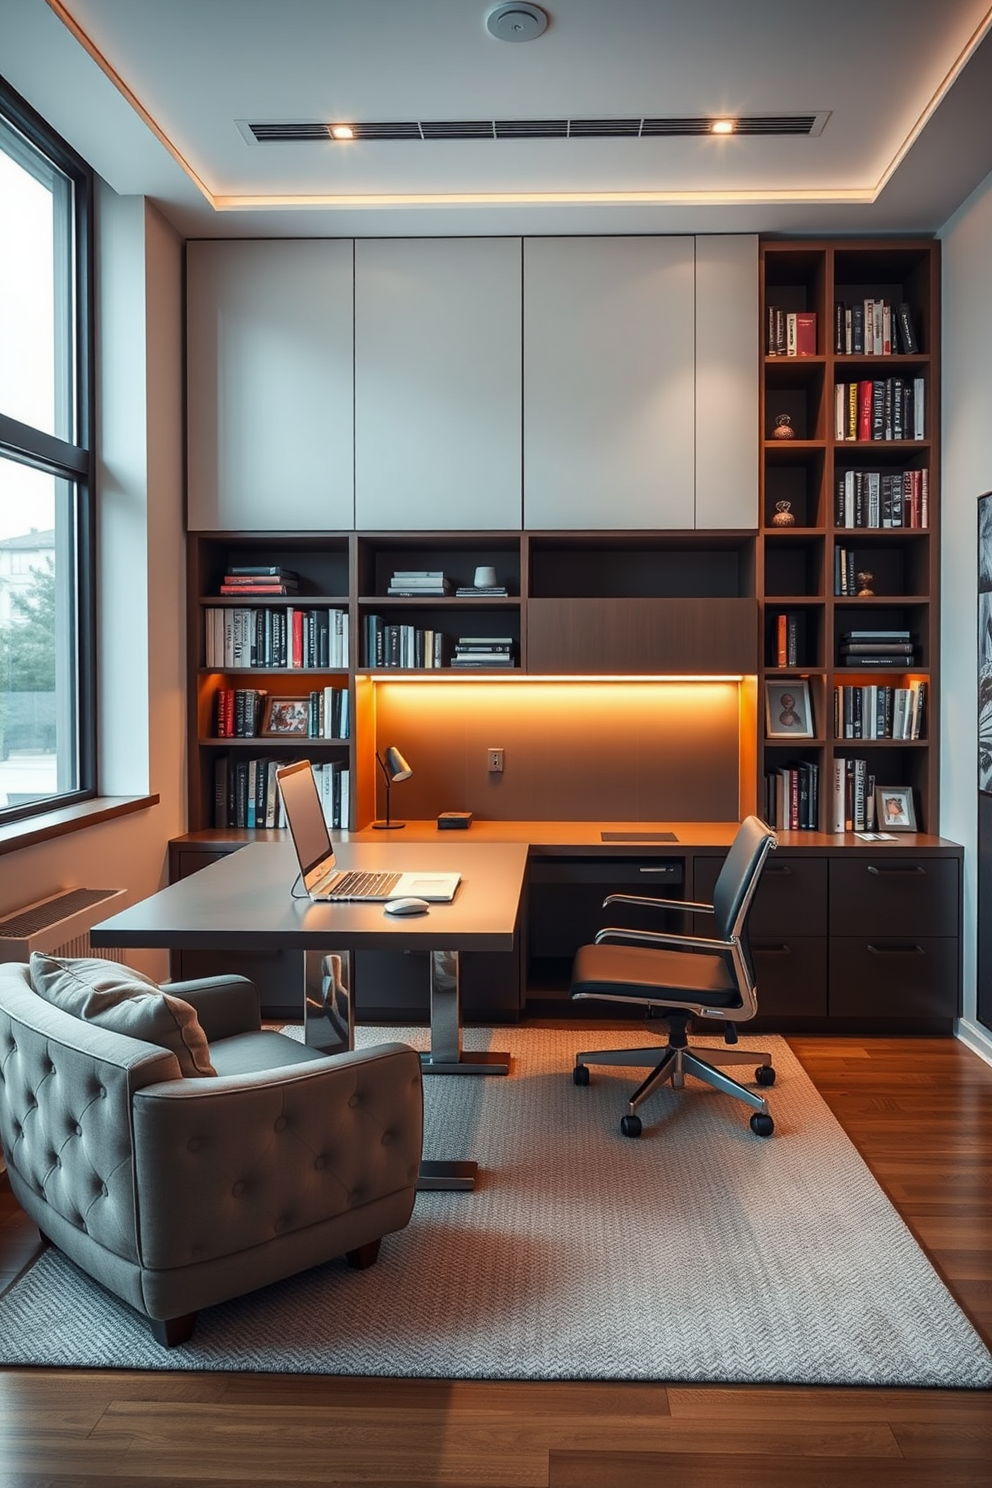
[(495, 758)]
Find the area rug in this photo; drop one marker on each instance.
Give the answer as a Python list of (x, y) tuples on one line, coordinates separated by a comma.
[(698, 1253)]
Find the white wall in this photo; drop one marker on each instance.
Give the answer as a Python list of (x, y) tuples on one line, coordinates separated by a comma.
[(966, 468), (141, 586)]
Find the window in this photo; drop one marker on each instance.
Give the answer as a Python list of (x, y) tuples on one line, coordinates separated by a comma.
[(47, 707)]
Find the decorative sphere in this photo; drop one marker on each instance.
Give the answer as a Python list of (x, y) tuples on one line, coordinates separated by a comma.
[(783, 427), (783, 515)]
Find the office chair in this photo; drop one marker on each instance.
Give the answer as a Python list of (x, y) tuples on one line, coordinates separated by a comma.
[(678, 977)]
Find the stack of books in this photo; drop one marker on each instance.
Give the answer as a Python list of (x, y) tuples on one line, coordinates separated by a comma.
[(487, 591), (419, 583), (875, 648), (260, 579), (483, 651)]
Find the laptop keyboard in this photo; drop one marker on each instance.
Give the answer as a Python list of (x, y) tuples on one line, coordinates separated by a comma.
[(356, 885)]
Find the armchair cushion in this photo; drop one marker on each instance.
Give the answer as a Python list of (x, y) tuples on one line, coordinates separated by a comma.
[(124, 1001)]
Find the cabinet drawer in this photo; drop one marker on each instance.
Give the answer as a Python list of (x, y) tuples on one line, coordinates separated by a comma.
[(894, 896), (884, 976), (792, 976), (791, 898)]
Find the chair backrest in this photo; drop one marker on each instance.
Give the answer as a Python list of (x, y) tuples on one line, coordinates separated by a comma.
[(739, 876)]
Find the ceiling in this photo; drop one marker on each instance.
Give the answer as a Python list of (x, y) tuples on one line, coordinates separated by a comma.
[(157, 95)]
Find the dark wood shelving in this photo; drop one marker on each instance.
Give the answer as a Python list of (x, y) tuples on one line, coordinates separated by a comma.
[(815, 275)]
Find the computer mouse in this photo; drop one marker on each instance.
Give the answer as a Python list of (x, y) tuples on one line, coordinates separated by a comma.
[(405, 906)]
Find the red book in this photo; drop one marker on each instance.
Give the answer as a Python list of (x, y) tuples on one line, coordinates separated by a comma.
[(782, 641), (805, 333), (864, 410), (253, 589), (297, 650)]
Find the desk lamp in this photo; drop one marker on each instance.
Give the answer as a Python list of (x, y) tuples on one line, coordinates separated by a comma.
[(393, 767)]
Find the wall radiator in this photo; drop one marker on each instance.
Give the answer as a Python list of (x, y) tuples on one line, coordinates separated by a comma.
[(60, 925)]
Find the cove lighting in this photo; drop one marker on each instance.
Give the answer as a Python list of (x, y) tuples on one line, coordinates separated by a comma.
[(447, 678)]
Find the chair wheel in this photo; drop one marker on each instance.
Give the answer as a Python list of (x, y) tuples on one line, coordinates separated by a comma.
[(580, 1075), (764, 1074), (631, 1126), (762, 1124)]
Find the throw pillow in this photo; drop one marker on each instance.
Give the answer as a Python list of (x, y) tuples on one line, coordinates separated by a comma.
[(124, 1001)]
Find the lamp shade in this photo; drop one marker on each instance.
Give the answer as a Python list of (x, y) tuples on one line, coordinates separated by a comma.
[(395, 765)]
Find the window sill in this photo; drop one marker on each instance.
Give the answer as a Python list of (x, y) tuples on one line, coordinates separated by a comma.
[(28, 831)]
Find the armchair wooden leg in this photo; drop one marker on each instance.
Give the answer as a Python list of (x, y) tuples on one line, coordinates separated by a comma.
[(170, 1332), (364, 1256)]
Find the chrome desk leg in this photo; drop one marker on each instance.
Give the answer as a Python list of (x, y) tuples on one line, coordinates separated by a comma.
[(328, 1006), (446, 1056)]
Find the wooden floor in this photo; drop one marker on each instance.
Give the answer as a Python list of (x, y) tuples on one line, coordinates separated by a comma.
[(920, 1112)]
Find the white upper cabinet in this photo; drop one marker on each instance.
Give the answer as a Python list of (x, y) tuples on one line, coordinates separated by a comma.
[(437, 383), (270, 385), (609, 382), (727, 381)]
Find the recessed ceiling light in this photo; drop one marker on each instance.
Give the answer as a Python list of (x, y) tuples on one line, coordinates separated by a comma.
[(722, 126), (342, 131), (516, 21)]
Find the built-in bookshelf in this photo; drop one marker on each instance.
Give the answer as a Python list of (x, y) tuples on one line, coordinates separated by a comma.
[(365, 607), (848, 556)]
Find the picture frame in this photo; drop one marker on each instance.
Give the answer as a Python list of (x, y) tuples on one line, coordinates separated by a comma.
[(285, 718), (894, 809), (788, 710)]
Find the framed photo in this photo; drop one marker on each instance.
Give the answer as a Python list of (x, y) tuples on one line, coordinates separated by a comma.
[(286, 717), (894, 810), (788, 713)]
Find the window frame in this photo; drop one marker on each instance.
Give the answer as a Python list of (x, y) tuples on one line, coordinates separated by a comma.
[(73, 461)]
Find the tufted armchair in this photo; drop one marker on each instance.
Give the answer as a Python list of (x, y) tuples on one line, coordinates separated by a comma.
[(179, 1192)]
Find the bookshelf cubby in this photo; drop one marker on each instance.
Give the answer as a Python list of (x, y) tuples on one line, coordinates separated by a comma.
[(798, 565)]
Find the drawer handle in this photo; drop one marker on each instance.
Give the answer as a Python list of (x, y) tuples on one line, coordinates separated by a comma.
[(881, 872), (779, 950), (780, 868), (913, 950), (664, 869)]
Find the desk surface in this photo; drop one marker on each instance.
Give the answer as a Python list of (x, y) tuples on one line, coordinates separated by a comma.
[(244, 901), (565, 838)]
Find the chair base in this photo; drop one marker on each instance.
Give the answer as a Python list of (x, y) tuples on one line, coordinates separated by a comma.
[(677, 1062)]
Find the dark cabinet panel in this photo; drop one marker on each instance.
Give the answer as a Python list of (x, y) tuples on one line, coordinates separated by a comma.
[(676, 636), (791, 899), (792, 976), (395, 985), (894, 977), (894, 896)]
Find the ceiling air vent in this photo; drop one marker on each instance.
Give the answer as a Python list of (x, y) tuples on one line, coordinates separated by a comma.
[(305, 132)]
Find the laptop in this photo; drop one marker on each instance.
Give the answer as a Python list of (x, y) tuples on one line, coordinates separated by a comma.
[(322, 880)]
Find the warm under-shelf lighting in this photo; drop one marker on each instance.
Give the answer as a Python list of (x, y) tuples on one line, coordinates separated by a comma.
[(448, 677), (722, 126), (342, 131)]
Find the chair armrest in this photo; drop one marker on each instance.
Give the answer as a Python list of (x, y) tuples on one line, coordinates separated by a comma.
[(225, 1005), (664, 938), (650, 902), (229, 1163)]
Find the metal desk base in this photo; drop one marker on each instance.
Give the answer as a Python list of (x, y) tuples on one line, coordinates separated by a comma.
[(488, 1063), (450, 1177)]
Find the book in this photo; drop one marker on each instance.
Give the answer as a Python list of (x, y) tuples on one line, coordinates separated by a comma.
[(805, 336), (491, 591), (258, 588), (258, 572), (908, 343)]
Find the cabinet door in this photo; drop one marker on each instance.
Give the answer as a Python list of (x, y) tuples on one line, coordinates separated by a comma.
[(437, 384), (608, 382), (727, 381), (270, 385)]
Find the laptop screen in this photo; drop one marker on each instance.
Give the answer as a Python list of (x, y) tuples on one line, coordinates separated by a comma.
[(305, 816)]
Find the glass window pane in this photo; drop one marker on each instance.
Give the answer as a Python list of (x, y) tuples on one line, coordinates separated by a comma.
[(38, 636), (35, 294)]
